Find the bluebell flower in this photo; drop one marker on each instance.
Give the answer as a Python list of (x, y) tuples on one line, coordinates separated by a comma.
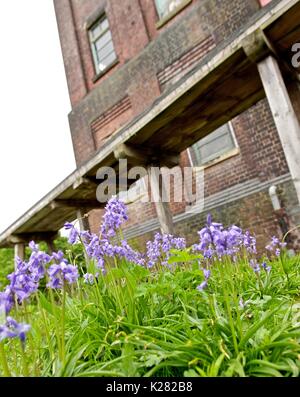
[(206, 273), (201, 286), (275, 246), (6, 301), (266, 267), (216, 241), (89, 278), (255, 265), (115, 215), (159, 250), (74, 234), (13, 329), (62, 274)]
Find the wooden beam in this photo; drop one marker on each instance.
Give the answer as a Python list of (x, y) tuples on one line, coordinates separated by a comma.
[(257, 45), (284, 116), (75, 203), (84, 181), (145, 156), (25, 238), (163, 210)]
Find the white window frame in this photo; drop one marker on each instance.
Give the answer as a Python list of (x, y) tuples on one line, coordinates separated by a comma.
[(217, 158), (93, 41), (177, 7)]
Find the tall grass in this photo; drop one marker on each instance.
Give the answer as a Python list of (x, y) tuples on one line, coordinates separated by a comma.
[(136, 321)]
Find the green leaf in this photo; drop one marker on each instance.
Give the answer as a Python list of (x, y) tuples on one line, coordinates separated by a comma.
[(255, 327)]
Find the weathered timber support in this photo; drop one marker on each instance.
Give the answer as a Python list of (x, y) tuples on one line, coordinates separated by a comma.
[(20, 250), (284, 115), (82, 217), (50, 245), (163, 209), (83, 225), (143, 155), (81, 204)]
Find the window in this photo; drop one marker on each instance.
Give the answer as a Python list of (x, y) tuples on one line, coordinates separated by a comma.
[(166, 7), (214, 145), (102, 45)]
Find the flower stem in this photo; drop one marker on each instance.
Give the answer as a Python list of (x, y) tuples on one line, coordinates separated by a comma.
[(25, 365), (63, 325), (4, 361)]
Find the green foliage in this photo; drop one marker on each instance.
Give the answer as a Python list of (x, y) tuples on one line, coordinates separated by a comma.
[(6, 265), (140, 322)]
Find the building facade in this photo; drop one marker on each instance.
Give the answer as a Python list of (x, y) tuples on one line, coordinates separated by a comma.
[(121, 56)]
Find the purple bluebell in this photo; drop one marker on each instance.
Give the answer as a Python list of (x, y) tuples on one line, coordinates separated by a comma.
[(6, 301), (89, 278), (266, 267), (275, 246), (206, 273), (202, 286), (115, 215), (255, 265), (217, 241), (249, 242), (22, 284), (159, 250), (13, 329), (74, 234), (62, 274)]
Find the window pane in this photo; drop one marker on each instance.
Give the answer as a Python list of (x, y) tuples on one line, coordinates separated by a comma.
[(105, 51), (165, 7), (103, 40), (102, 45), (99, 28), (104, 24), (96, 31), (213, 145), (105, 62)]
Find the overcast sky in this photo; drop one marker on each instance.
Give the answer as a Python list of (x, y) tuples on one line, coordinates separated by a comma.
[(35, 147)]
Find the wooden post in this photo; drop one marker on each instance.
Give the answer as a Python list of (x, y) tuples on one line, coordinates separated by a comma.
[(163, 210), (20, 250), (284, 115), (83, 220), (83, 225), (51, 247)]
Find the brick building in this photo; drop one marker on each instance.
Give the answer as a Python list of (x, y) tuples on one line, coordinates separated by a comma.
[(120, 56), (208, 85)]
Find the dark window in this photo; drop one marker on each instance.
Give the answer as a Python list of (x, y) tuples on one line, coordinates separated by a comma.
[(102, 45), (213, 145)]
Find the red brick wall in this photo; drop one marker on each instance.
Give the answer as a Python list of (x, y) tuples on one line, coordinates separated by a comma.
[(127, 27), (186, 62), (144, 56), (72, 56), (260, 156), (150, 60), (108, 122)]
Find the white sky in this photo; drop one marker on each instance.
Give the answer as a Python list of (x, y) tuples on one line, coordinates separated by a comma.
[(35, 143)]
